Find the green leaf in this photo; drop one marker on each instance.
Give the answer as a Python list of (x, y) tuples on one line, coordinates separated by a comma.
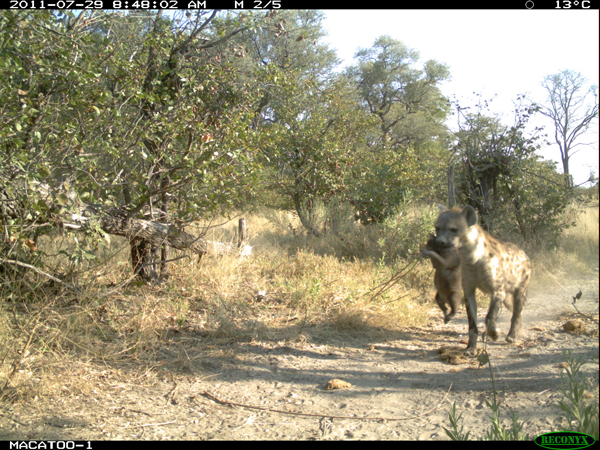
[(62, 199)]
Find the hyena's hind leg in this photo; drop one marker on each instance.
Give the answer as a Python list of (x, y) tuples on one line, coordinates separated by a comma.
[(519, 299), (456, 300), (496, 302), (443, 305)]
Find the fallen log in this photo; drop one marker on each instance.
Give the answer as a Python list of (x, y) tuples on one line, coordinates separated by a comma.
[(155, 233), (115, 221)]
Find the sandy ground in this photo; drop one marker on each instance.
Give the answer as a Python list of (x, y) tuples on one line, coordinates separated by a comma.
[(399, 387)]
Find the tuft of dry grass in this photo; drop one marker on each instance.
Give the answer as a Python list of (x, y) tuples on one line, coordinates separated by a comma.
[(577, 253), (581, 240), (306, 286)]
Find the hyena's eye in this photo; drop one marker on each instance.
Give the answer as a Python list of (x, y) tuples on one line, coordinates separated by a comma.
[(454, 229)]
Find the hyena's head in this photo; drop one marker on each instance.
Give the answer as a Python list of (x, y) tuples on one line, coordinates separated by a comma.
[(453, 225)]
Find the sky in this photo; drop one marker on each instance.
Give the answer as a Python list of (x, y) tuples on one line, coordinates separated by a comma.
[(489, 52)]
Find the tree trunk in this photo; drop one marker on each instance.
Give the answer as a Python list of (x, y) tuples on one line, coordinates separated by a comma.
[(164, 218), (153, 233), (242, 233), (305, 214), (451, 187), (140, 251), (141, 259), (567, 175)]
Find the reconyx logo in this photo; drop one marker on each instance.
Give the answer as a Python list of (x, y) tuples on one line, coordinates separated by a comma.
[(564, 439)]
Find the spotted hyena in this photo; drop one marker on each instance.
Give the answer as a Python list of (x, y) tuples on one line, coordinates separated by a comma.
[(447, 279), (489, 264)]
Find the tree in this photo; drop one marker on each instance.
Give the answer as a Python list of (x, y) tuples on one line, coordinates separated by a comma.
[(400, 158), (286, 45), (290, 40), (318, 127), (310, 115), (405, 99), (175, 62), (501, 176), (158, 129), (571, 111)]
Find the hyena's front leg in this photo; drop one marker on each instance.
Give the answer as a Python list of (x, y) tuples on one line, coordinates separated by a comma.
[(472, 316), (492, 315), (515, 323)]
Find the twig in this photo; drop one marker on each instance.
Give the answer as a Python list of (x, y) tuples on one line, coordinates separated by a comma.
[(584, 315), (149, 425), (36, 270), (138, 411), (15, 420), (229, 403), (170, 396), (392, 280), (577, 297)]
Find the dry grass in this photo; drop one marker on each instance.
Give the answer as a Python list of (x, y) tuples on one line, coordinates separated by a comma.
[(294, 287), (577, 253)]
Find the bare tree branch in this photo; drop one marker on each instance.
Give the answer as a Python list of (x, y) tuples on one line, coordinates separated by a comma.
[(41, 272), (566, 100)]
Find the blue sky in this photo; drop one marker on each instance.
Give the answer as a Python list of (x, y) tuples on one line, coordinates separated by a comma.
[(503, 52)]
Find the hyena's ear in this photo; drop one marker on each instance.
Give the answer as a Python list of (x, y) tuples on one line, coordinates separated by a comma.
[(442, 208), (470, 214)]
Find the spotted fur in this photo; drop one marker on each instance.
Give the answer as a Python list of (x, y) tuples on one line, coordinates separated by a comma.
[(447, 278), (495, 267)]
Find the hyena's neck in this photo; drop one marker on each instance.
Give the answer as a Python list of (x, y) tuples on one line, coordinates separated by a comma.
[(472, 245)]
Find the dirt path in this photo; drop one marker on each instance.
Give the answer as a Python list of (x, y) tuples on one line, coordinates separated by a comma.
[(400, 378)]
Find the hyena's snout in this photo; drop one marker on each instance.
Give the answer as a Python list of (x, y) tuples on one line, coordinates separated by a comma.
[(443, 241)]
